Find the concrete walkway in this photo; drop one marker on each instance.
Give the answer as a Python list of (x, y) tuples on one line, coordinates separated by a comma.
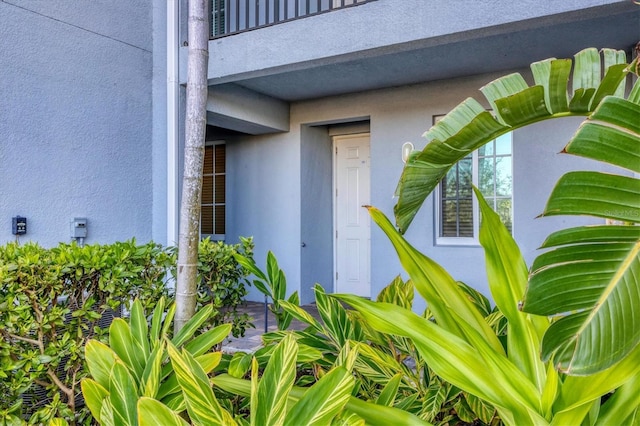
[(252, 340)]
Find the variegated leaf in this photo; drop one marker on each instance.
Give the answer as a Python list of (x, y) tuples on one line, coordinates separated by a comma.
[(154, 413), (275, 384), (202, 405), (123, 395), (94, 395), (323, 401)]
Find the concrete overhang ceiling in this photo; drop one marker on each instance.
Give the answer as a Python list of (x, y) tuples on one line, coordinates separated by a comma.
[(482, 51)]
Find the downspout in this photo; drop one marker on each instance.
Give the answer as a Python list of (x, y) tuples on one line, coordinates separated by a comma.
[(173, 99)]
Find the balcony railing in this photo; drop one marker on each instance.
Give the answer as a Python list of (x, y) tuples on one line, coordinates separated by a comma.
[(234, 16)]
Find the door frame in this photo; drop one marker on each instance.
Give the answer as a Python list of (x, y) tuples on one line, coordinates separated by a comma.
[(334, 206)]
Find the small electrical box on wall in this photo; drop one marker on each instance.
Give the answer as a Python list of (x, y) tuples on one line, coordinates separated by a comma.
[(19, 225), (79, 227)]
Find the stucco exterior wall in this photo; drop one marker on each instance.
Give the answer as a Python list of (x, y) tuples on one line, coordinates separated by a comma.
[(266, 192), (376, 28), (76, 118)]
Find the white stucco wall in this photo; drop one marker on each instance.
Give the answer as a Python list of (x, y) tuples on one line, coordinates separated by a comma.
[(266, 193), (76, 118)]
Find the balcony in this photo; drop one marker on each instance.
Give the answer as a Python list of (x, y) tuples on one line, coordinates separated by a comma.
[(235, 16)]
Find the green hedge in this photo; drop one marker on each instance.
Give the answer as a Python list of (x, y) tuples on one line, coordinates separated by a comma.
[(52, 300)]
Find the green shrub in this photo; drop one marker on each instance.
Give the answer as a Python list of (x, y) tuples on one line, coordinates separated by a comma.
[(222, 281), (51, 302)]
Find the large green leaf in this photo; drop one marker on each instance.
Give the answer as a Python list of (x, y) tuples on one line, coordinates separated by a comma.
[(578, 392), (154, 413), (593, 284), (623, 403), (274, 386), (373, 414), (122, 342), (474, 367), (94, 396), (100, 359), (150, 379), (469, 126), (139, 328), (193, 325), (207, 340), (443, 294), (589, 278), (323, 401), (507, 276), (123, 395), (202, 405), (596, 194)]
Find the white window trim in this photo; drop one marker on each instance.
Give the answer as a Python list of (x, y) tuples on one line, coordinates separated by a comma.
[(459, 241), (469, 241)]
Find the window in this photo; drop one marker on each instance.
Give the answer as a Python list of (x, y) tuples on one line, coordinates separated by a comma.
[(212, 209), (218, 17), (490, 169)]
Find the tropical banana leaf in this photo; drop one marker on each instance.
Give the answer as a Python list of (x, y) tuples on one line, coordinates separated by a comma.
[(507, 276), (589, 278), (515, 104), (442, 293), (474, 367)]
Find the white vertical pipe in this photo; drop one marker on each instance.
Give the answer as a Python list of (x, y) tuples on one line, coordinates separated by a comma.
[(173, 99)]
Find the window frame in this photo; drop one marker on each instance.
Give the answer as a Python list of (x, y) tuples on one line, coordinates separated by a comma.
[(468, 241), (215, 237)]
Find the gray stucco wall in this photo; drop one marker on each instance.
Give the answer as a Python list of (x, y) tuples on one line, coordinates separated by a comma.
[(76, 118), (159, 120), (316, 212), (263, 190), (372, 29), (267, 193)]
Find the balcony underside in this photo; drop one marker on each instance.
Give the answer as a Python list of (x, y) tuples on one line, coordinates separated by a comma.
[(505, 47)]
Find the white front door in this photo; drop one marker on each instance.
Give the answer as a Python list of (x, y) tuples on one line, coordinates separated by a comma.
[(352, 222)]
